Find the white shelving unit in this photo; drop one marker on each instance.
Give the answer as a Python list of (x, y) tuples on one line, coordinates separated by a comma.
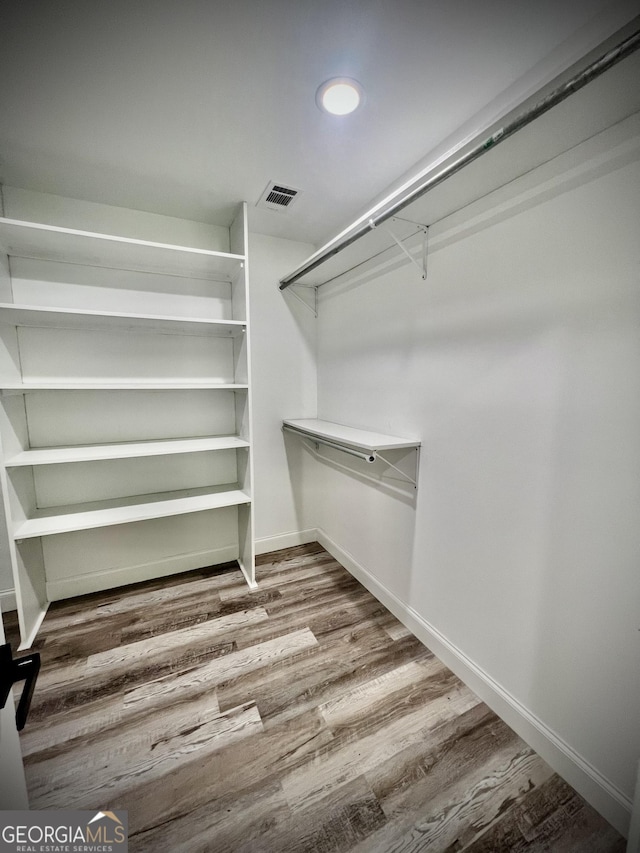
[(125, 411)]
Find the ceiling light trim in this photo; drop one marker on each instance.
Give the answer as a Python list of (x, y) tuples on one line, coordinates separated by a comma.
[(339, 96)]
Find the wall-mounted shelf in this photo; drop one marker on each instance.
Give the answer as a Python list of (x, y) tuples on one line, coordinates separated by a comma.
[(142, 385), (360, 439), (364, 444), (67, 519), (72, 246), (124, 450), (69, 318)]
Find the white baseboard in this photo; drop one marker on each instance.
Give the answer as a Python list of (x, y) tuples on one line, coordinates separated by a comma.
[(7, 600), (83, 584), (605, 797), (286, 540)]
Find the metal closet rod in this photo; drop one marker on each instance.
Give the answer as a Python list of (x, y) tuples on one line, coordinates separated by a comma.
[(593, 70), (361, 454)]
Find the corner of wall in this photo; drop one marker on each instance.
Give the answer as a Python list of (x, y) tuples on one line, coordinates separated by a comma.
[(592, 785)]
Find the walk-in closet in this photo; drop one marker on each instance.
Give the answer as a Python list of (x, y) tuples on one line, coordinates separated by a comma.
[(319, 424)]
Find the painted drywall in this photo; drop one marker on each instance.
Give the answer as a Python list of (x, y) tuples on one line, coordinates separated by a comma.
[(283, 356), (516, 363)]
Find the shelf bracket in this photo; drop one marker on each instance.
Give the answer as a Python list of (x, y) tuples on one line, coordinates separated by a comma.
[(313, 308), (413, 480), (420, 266)]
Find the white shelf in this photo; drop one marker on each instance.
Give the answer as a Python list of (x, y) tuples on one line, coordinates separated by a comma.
[(128, 450), (360, 439), (67, 519), (142, 385), (70, 318), (68, 245)]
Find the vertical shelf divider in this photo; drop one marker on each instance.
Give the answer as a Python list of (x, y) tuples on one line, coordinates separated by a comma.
[(238, 237)]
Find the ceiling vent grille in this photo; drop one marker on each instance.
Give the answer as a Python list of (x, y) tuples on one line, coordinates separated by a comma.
[(277, 197)]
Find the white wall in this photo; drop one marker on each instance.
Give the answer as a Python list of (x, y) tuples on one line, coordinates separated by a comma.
[(516, 363), (283, 354)]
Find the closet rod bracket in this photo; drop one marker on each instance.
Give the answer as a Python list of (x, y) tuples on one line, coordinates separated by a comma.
[(313, 308), (413, 480), (420, 266)]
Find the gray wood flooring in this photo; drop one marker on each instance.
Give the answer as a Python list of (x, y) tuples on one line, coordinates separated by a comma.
[(298, 718)]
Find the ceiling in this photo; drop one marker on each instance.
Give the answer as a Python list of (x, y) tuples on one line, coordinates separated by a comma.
[(185, 107)]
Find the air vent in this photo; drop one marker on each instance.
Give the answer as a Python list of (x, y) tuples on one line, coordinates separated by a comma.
[(277, 197)]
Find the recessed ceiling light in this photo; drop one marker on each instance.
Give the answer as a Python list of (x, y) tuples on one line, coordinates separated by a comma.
[(339, 96)]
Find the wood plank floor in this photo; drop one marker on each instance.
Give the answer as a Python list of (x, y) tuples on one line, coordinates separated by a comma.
[(298, 718)]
